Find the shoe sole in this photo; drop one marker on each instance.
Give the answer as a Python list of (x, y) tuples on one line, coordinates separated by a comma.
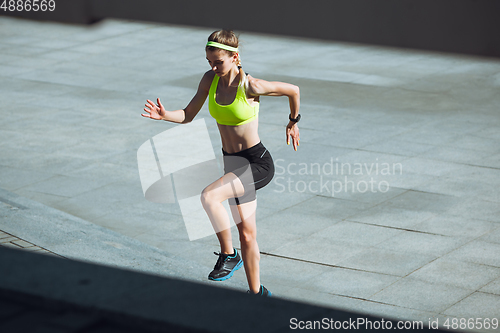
[(238, 266)]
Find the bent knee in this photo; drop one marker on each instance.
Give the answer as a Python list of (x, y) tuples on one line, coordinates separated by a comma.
[(206, 197), (248, 237), (209, 196)]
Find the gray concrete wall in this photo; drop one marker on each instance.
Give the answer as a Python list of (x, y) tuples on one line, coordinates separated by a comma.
[(461, 26)]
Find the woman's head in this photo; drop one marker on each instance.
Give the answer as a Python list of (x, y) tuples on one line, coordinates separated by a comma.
[(221, 59)]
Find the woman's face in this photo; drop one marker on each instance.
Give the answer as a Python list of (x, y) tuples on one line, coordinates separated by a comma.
[(220, 61)]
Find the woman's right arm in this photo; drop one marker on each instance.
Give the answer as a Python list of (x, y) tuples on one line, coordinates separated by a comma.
[(186, 115)]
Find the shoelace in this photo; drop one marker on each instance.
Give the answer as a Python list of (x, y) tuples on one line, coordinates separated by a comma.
[(221, 260)]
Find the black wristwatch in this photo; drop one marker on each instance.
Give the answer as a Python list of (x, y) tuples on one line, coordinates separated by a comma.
[(295, 120)]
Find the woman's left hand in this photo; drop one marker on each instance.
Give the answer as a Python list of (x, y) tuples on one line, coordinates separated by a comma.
[(292, 130)]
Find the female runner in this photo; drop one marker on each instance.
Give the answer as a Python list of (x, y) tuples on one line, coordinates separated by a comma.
[(234, 103)]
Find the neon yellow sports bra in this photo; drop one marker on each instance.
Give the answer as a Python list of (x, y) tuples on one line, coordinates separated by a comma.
[(239, 112)]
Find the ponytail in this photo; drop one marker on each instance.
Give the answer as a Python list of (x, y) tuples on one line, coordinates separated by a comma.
[(243, 76), (228, 37)]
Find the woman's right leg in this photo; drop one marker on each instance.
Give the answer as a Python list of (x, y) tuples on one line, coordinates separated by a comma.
[(244, 217), (228, 186)]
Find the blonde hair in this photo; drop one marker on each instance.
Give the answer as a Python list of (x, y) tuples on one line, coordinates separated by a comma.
[(228, 37)]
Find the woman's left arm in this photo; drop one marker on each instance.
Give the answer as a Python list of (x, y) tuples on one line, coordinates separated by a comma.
[(258, 87)]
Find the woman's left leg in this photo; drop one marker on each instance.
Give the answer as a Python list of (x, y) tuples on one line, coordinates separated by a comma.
[(244, 217)]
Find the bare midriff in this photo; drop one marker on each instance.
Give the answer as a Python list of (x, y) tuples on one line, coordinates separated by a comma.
[(238, 138)]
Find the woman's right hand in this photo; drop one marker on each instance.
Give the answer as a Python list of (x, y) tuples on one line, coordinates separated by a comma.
[(156, 112)]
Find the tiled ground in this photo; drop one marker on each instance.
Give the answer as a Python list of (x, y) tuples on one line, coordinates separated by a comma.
[(421, 127)]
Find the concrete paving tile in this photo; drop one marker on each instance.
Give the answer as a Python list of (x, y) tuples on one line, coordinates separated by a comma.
[(490, 132), (420, 295), (270, 238), (492, 288), (485, 92), (410, 317), (492, 161), (28, 63), (477, 305), (47, 75), (299, 224), (344, 140), (21, 243), (318, 298), (10, 245), (358, 233), (416, 242), (93, 204), (16, 178), (44, 198), (406, 120), (424, 84), (63, 186), (40, 129), (423, 201), (398, 147), (312, 159), (4, 235), (64, 55), (405, 180), (461, 126), (157, 238), (272, 197), (448, 224), (368, 190), (392, 217), (458, 155), (202, 253), (422, 101), (12, 71), (162, 209), (51, 163), (27, 50), (292, 273), (492, 236), (54, 43), (351, 283), (329, 207), (475, 142), (419, 165), (104, 172), (479, 252), (481, 209), (308, 249), (368, 164), (97, 149), (378, 80), (151, 226), (457, 273), (460, 187), (387, 261), (7, 238)]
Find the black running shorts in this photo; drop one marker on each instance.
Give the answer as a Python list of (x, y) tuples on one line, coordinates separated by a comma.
[(253, 166)]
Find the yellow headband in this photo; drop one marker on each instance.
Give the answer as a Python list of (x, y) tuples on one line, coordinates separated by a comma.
[(223, 46)]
